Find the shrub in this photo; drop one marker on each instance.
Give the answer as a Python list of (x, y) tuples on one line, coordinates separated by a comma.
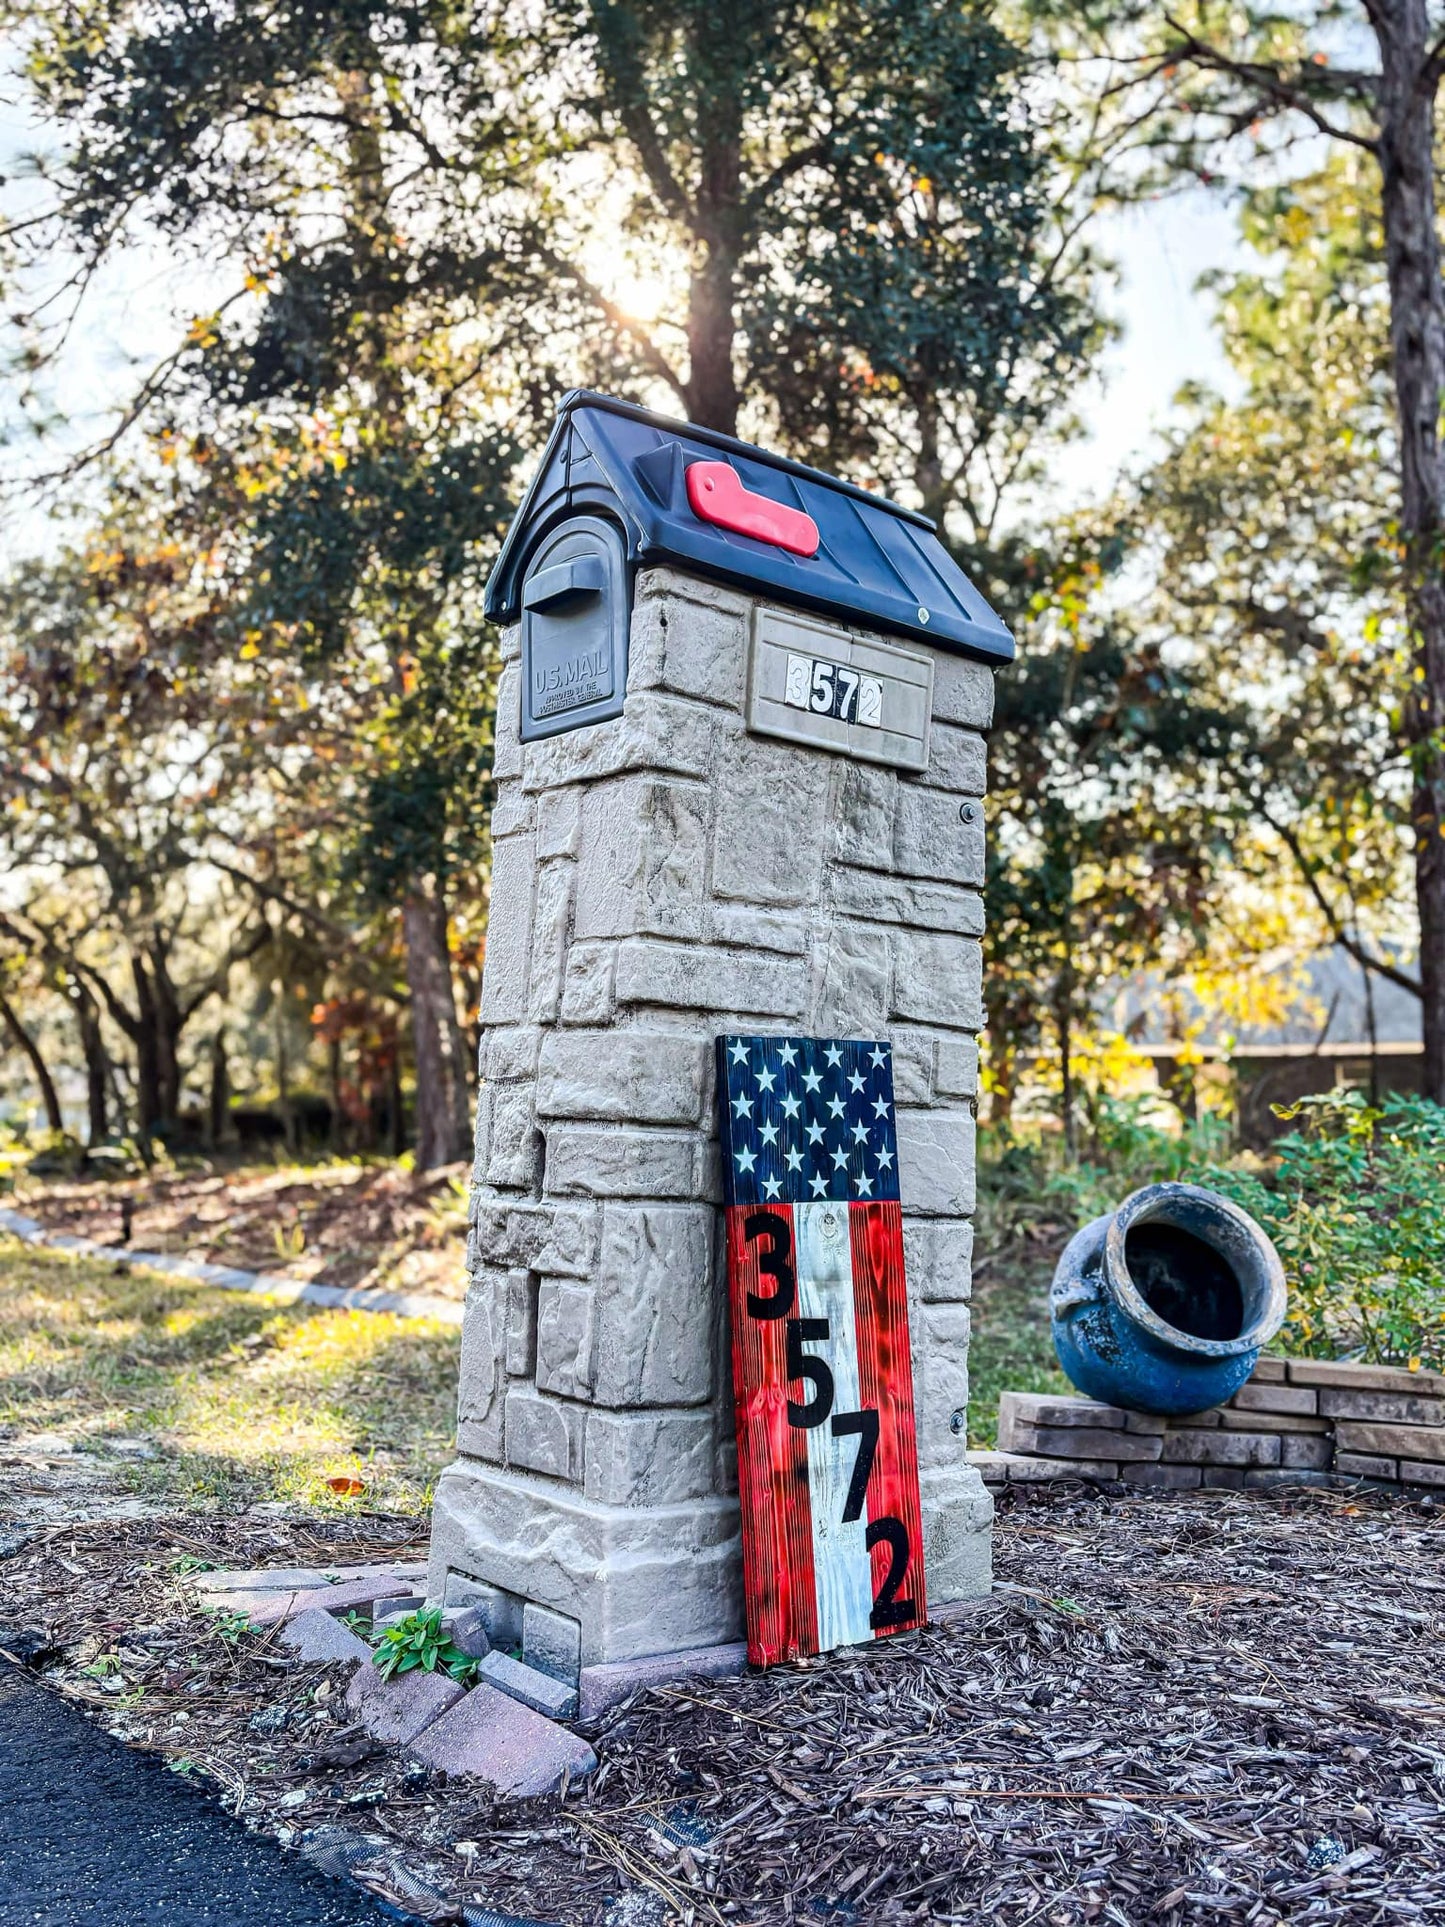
[(1356, 1208)]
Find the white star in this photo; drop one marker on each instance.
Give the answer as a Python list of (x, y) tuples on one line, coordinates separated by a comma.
[(876, 1058), (815, 1134), (772, 1188), (788, 1055), (738, 1051), (791, 1106), (865, 1183), (812, 1082), (834, 1056), (880, 1109), (769, 1134), (855, 1082), (860, 1134), (885, 1159), (746, 1161), (840, 1160), (743, 1105), (765, 1080), (794, 1160), (820, 1187), (835, 1107)]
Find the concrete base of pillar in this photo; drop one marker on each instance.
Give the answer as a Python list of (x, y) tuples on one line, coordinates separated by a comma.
[(957, 1533), (639, 1580), (653, 1581)]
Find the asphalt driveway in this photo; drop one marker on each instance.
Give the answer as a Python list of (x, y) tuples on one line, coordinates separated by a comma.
[(96, 1836)]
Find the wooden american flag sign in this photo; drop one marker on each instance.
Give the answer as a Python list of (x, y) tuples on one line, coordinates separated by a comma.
[(822, 1371)]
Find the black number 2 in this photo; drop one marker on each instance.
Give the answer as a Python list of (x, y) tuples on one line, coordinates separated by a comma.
[(888, 1608), (772, 1263)]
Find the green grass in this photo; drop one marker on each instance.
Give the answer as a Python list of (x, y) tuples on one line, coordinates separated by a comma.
[(1010, 1349), (242, 1399)]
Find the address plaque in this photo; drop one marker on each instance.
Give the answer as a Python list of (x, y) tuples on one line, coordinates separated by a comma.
[(812, 683)]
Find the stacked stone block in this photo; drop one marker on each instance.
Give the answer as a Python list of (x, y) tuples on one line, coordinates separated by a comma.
[(1296, 1421), (657, 880)]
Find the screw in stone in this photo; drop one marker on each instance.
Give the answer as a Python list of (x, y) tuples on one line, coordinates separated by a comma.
[(967, 813), (958, 1423)]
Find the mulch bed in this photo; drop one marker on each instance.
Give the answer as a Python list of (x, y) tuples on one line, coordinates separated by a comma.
[(1209, 1707), (350, 1225)]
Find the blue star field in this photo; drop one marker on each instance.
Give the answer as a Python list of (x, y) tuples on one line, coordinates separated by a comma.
[(806, 1119)]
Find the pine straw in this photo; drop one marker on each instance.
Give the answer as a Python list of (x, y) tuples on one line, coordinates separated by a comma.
[(1221, 1707)]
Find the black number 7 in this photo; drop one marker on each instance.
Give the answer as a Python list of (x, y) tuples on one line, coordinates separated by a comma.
[(865, 1425)]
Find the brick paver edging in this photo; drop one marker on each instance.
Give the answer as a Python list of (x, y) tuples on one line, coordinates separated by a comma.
[(400, 1304), (1298, 1421)]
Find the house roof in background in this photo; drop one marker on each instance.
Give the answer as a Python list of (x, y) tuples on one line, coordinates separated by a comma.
[(1335, 990)]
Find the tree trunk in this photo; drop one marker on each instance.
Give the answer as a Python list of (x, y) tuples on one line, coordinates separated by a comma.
[(97, 1065), (218, 1107), (712, 389), (928, 467), (169, 1023), (25, 1042), (1417, 337), (149, 1108), (1064, 1018), (395, 1110), (443, 1098)]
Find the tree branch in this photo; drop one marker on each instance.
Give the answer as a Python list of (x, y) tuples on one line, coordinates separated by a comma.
[(1272, 86), (1351, 945)]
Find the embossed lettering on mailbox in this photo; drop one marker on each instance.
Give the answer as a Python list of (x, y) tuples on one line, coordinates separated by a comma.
[(574, 629)]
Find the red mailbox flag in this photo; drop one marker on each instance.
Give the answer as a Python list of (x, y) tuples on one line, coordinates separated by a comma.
[(822, 1372), (716, 493)]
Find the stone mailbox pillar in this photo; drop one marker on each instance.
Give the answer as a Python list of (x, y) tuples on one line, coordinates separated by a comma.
[(759, 809)]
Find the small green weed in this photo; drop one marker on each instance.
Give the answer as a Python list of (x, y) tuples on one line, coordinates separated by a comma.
[(231, 1626), (420, 1640)]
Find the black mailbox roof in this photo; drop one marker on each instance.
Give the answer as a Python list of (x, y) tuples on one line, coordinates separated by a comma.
[(878, 566)]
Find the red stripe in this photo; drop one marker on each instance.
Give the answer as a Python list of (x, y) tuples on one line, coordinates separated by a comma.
[(782, 1608), (885, 1380)]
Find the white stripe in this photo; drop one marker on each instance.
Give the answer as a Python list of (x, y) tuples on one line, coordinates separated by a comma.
[(842, 1568)]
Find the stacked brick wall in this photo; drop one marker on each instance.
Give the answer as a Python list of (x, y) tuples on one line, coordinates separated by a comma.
[(1297, 1421)]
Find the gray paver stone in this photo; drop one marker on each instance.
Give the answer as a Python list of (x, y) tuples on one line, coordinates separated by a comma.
[(496, 1738), (552, 1643), (1046, 1408), (393, 1611), (467, 1628), (394, 1711), (276, 1608), (554, 1697), (317, 1638), (1079, 1442), (608, 1685), (264, 1579)]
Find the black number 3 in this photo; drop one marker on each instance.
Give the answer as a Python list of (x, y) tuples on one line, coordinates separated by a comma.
[(772, 1263)]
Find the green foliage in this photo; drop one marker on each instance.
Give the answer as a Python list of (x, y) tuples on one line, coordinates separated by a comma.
[(230, 1626), (420, 1640), (1356, 1209)]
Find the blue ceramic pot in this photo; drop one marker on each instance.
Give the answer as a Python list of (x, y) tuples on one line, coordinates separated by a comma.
[(1164, 1306)]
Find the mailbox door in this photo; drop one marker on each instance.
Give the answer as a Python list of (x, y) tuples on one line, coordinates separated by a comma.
[(574, 629)]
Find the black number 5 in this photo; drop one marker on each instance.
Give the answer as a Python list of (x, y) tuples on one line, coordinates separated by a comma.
[(772, 1263), (818, 1375)]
